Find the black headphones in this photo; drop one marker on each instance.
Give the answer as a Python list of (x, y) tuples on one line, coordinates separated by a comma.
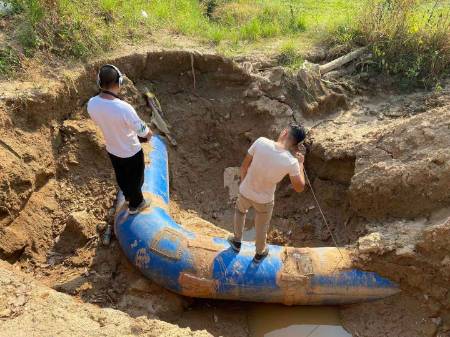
[(119, 78)]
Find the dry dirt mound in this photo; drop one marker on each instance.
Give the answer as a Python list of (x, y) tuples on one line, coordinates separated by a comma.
[(404, 171), (396, 168)]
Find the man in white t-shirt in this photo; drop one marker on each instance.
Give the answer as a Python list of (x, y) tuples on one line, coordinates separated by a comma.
[(123, 131), (266, 163)]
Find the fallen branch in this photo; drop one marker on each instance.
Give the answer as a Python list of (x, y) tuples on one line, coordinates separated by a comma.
[(157, 119), (340, 61)]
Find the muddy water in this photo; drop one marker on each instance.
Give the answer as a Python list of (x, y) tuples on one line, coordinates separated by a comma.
[(271, 320)]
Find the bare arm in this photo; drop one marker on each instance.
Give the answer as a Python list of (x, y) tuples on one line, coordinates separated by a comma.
[(298, 180), (245, 165)]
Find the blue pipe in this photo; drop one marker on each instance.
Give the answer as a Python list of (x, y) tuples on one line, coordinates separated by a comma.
[(196, 265)]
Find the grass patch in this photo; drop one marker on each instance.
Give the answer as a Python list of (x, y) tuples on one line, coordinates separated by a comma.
[(84, 27), (409, 38), (251, 21), (66, 28)]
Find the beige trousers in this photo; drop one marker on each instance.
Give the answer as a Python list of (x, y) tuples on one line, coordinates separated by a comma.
[(263, 214)]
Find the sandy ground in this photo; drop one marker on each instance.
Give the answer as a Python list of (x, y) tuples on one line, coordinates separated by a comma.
[(378, 161), (30, 309)]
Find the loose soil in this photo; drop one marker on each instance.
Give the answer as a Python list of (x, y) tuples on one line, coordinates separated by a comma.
[(377, 160)]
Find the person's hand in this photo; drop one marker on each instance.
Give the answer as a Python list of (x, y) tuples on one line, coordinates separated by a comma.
[(301, 158), (149, 135)]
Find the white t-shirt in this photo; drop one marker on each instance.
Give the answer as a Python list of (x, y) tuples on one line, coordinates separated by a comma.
[(120, 125), (269, 165)]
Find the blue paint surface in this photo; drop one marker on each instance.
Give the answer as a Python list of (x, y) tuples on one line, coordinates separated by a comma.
[(153, 242), (353, 278), (135, 236), (156, 180)]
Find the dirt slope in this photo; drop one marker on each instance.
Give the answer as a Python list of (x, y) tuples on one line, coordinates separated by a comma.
[(397, 177), (28, 308)]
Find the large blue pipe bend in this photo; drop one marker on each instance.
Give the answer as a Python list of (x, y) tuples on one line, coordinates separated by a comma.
[(195, 265)]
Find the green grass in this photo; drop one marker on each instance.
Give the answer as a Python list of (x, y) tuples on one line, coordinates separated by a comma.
[(82, 28)]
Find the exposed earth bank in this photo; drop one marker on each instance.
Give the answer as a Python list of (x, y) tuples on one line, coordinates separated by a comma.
[(378, 161)]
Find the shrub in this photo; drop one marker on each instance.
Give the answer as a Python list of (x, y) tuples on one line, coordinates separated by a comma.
[(409, 39)]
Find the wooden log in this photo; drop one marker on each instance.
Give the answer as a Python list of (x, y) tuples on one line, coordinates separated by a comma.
[(340, 61)]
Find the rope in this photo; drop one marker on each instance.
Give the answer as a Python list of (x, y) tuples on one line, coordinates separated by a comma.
[(323, 214), (313, 330)]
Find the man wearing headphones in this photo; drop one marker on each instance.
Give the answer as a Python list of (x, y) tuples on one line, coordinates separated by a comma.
[(121, 127)]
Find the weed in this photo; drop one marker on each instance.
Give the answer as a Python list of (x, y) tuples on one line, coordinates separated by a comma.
[(289, 55), (216, 34), (298, 23), (9, 61)]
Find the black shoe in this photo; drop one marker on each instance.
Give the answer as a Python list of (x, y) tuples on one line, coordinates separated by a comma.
[(259, 257), (236, 245), (143, 205)]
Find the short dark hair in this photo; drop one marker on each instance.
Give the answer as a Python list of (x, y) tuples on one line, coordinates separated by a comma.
[(108, 77), (297, 133)]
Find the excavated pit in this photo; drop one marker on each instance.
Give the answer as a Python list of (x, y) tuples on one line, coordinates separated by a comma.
[(213, 134), (57, 186)]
